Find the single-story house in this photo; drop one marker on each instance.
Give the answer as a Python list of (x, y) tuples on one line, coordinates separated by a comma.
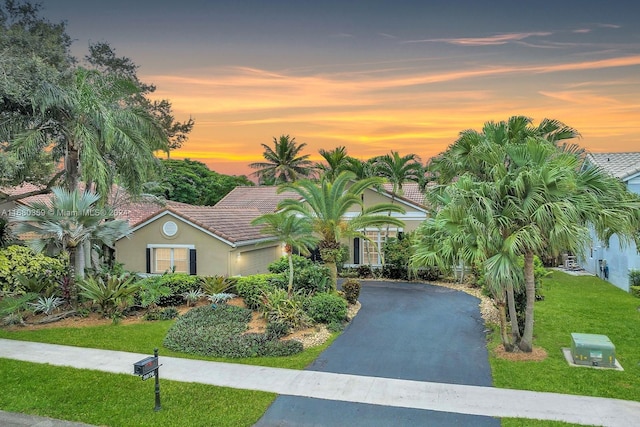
[(220, 240), (614, 263)]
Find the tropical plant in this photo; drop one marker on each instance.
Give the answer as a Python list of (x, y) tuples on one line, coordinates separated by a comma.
[(112, 295), (69, 221), (216, 284), (520, 193), (294, 232), (280, 307), (46, 305), (151, 292), (193, 296), (221, 298), (22, 270), (88, 118), (336, 160), (6, 236), (325, 205), (13, 308), (283, 162)]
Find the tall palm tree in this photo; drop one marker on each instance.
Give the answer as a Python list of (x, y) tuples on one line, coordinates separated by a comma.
[(88, 120), (541, 201), (361, 168), (327, 206), (295, 232), (67, 222), (336, 160), (283, 162), (398, 170)]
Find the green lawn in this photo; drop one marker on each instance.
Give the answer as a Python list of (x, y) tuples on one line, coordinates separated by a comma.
[(583, 304), (572, 304)]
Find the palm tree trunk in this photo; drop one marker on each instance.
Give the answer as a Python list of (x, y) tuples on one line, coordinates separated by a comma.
[(290, 287), (72, 167), (513, 314), (79, 261), (506, 342), (526, 343)]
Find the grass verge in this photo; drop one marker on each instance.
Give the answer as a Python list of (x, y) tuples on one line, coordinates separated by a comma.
[(583, 304), (123, 400)]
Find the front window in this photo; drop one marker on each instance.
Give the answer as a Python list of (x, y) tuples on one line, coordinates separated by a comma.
[(372, 245), (174, 259)]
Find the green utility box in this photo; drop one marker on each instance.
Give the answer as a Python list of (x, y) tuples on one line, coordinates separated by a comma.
[(593, 350)]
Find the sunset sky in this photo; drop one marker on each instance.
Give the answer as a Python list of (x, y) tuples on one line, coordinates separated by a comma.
[(374, 75)]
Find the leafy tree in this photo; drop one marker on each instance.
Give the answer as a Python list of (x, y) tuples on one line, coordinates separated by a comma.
[(325, 205), (67, 222), (87, 119), (295, 232), (283, 162), (33, 50), (104, 58), (192, 182)]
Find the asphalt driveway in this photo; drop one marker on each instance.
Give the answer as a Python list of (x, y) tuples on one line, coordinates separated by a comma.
[(405, 331)]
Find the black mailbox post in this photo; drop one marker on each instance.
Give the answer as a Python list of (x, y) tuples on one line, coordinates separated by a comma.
[(147, 368)]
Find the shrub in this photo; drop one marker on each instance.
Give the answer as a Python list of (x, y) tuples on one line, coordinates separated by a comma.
[(397, 253), (327, 308), (429, 273), (112, 295), (276, 329), (212, 285), (166, 313), (178, 283), (364, 271), (313, 279), (12, 309), (278, 307), (635, 291), (282, 265), (150, 292), (218, 332), (351, 289), (252, 288), (20, 260), (307, 275), (634, 278)]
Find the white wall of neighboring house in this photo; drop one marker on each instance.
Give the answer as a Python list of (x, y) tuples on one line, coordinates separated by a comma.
[(619, 261)]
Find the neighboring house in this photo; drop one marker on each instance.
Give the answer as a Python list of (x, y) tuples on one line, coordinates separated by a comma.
[(613, 263)]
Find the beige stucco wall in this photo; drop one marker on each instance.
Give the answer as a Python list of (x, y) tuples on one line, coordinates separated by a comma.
[(214, 257), (412, 217)]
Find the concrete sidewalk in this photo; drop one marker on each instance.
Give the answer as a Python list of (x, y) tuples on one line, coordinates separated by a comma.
[(475, 400)]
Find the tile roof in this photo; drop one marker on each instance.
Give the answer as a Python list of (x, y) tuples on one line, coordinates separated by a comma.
[(25, 187), (411, 192), (233, 225), (264, 198), (620, 165)]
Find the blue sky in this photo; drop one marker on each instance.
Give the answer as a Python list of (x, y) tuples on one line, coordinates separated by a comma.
[(373, 75)]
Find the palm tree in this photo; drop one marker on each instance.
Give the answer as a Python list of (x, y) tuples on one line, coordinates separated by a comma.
[(100, 134), (283, 162), (336, 160), (361, 168), (295, 232), (67, 222), (398, 170), (327, 206), (539, 200)]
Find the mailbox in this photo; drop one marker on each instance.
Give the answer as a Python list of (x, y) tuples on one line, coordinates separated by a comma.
[(145, 366)]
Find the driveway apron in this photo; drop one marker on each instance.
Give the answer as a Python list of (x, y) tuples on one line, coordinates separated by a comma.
[(405, 331)]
